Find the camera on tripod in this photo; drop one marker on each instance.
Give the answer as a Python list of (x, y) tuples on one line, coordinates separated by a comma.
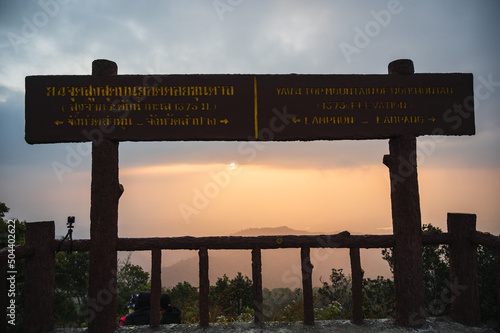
[(69, 224), (71, 220)]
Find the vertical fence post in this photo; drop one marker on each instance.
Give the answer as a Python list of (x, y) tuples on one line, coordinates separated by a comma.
[(155, 287), (204, 287), (497, 261), (3, 293), (406, 221), (39, 278), (307, 267), (257, 286), (357, 286), (465, 306), (105, 192)]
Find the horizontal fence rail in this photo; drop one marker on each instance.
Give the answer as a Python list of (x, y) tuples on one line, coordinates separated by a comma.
[(22, 251), (248, 243), (340, 240)]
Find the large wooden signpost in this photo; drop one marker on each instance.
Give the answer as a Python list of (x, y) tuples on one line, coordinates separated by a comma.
[(106, 108), (246, 107)]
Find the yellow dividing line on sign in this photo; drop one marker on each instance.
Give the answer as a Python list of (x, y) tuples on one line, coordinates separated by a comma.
[(255, 106)]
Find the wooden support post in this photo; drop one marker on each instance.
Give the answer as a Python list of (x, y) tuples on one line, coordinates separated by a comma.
[(155, 287), (105, 192), (204, 287), (257, 286), (307, 267), (406, 221), (3, 293), (497, 261), (39, 279), (357, 286), (465, 306)]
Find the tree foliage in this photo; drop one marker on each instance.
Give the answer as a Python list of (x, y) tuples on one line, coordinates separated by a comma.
[(486, 267), (230, 298), (378, 298), (3, 209), (436, 274), (275, 302), (294, 310), (71, 288), (130, 279), (336, 298), (338, 292), (185, 297)]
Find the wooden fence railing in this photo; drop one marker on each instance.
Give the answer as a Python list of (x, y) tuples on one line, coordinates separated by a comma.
[(40, 267)]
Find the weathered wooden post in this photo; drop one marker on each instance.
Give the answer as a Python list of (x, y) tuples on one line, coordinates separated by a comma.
[(357, 286), (39, 278), (155, 287), (257, 285), (105, 192), (465, 305), (204, 287), (497, 261), (406, 220), (307, 267), (3, 292)]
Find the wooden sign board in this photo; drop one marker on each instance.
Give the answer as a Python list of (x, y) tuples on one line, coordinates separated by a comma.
[(246, 107)]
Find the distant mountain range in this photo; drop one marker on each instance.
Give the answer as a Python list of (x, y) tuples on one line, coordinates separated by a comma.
[(276, 231), (280, 267)]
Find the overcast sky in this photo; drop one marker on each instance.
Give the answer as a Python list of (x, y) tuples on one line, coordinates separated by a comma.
[(315, 186)]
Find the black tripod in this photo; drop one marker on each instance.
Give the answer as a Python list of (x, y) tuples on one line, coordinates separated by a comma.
[(71, 220)]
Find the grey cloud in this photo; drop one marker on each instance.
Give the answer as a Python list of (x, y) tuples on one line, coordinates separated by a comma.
[(254, 37)]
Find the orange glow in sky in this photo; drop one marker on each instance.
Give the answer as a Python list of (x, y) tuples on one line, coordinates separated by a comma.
[(220, 199)]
